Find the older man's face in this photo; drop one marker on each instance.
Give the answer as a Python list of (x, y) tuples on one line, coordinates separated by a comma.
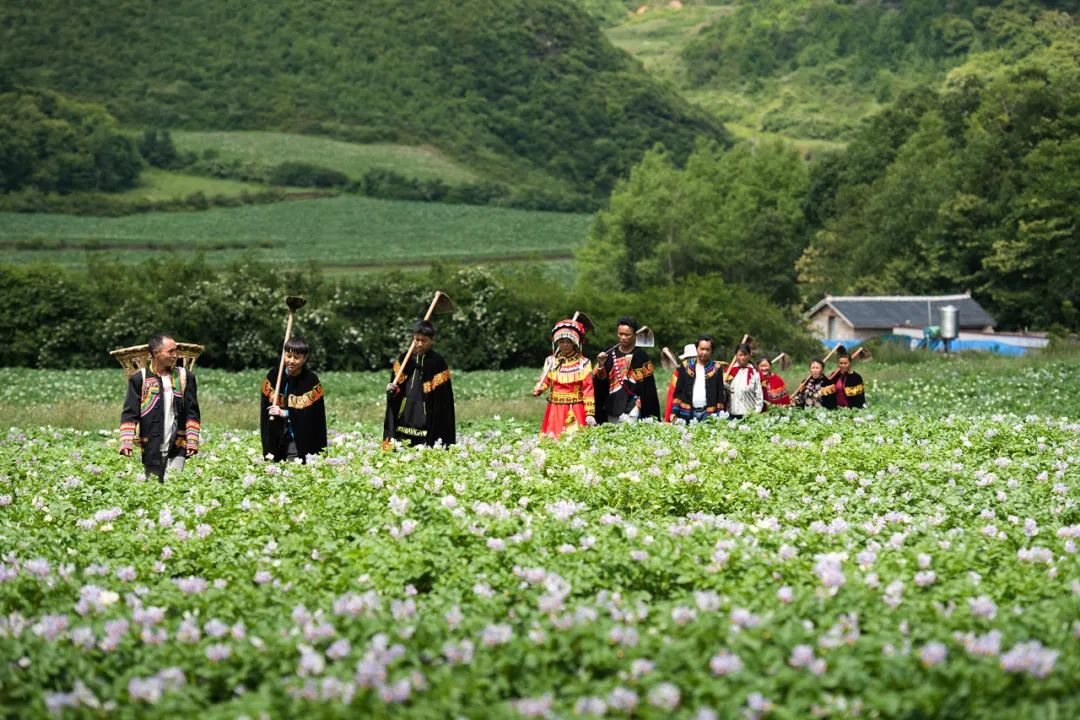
[(165, 358)]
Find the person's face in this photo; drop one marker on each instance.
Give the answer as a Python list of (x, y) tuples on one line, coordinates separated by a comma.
[(764, 367), (422, 343), (626, 337), (165, 358), (566, 346), (741, 357), (704, 352), (294, 362), (845, 365), (815, 369)]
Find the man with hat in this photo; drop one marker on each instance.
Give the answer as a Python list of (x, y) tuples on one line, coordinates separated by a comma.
[(698, 389), (567, 375)]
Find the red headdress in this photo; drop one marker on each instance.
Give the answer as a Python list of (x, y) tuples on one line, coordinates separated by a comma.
[(569, 329)]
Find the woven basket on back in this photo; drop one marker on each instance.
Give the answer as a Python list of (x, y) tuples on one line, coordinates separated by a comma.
[(135, 358)]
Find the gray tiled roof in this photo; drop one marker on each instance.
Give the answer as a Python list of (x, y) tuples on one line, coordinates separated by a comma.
[(891, 311)]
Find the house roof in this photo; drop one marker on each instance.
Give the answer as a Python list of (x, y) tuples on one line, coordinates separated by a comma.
[(888, 311)]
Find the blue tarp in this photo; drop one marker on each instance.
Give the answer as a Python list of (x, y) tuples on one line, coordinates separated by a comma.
[(995, 346)]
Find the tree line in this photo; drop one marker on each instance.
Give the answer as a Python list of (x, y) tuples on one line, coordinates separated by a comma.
[(59, 317)]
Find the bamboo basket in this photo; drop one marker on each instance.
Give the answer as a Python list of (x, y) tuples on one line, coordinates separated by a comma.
[(135, 358)]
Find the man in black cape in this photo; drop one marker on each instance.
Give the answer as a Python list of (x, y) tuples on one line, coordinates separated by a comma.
[(294, 426), (420, 408), (625, 387)]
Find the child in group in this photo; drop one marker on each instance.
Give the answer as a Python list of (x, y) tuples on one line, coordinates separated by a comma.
[(568, 376), (293, 423)]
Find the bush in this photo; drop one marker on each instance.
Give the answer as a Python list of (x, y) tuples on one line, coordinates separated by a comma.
[(301, 174)]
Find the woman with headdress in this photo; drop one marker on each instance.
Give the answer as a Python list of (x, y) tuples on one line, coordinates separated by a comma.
[(743, 385), (844, 388), (772, 385), (567, 375), (809, 393)]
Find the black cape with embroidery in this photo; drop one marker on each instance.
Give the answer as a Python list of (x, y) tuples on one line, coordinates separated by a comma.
[(639, 385), (853, 392), (422, 411), (303, 396), (682, 405)]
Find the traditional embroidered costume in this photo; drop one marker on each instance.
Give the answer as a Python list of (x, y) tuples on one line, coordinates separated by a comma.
[(774, 390), (744, 390), (568, 379), (698, 391), (422, 411), (843, 390), (810, 395), (161, 416), (305, 420), (625, 383)]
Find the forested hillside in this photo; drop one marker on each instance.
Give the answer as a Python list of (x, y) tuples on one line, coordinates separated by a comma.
[(519, 87), (810, 70), (971, 184)]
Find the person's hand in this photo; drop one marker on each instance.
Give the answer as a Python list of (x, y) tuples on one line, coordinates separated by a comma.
[(590, 421), (275, 411), (125, 451), (191, 452), (601, 358), (392, 389), (536, 392)]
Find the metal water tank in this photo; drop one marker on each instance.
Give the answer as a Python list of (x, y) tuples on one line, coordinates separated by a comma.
[(950, 327)]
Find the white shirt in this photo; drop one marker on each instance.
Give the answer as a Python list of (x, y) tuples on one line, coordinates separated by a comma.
[(170, 416), (746, 394), (699, 388)]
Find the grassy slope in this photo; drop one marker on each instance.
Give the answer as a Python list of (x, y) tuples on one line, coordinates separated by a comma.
[(342, 231), (353, 159), (658, 37)]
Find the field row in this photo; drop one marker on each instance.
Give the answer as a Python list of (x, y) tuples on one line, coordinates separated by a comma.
[(345, 231)]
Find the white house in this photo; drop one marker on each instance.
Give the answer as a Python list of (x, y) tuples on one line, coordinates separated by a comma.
[(860, 317)]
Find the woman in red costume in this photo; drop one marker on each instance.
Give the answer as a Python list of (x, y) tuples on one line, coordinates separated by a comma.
[(568, 375), (772, 385)]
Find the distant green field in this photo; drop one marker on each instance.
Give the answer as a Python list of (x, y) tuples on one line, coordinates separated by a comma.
[(270, 148), (340, 232), (657, 37), (158, 185)]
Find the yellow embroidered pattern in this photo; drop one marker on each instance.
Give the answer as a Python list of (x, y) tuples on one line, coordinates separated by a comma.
[(312, 396), (436, 381)]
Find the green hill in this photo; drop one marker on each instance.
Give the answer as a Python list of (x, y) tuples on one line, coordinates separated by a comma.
[(508, 88)]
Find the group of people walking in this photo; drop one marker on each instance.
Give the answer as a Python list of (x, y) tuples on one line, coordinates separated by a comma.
[(622, 387), (161, 409)]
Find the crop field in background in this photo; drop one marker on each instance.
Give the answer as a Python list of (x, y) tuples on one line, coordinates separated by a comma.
[(346, 231), (353, 159), (156, 185), (915, 559)]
